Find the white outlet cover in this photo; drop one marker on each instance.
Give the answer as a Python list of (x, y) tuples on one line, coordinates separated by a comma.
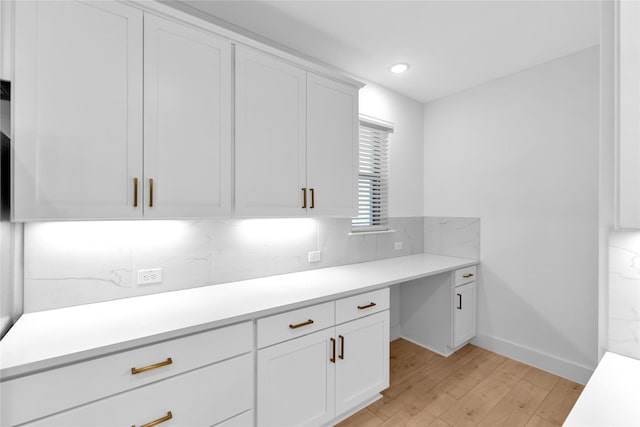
[(398, 246), (148, 276), (314, 256)]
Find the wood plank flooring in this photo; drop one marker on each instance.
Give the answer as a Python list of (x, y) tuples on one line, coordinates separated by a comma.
[(472, 387)]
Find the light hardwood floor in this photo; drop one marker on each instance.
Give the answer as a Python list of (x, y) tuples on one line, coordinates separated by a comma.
[(472, 387)]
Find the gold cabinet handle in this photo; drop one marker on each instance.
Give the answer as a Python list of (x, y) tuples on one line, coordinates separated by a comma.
[(459, 307), (362, 307), (341, 356), (135, 371), (304, 198), (466, 276), (299, 325), (158, 421), (313, 199), (150, 192), (135, 192), (333, 350)]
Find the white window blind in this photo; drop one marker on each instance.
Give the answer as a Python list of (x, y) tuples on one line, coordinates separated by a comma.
[(373, 178)]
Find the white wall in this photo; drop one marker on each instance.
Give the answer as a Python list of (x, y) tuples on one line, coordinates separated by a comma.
[(521, 153), (405, 182), (406, 152)]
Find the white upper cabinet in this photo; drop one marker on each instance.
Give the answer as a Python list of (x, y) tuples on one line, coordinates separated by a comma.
[(117, 120), (187, 121), (628, 114), (332, 146), (78, 110), (80, 91), (296, 140), (270, 147)]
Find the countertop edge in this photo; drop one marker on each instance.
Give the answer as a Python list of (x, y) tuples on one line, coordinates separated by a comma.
[(29, 367)]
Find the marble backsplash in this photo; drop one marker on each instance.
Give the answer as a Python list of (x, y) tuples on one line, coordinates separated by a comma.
[(624, 293), (72, 263), (452, 236)]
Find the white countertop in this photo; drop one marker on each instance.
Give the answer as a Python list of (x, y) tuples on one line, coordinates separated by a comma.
[(46, 339), (611, 397)]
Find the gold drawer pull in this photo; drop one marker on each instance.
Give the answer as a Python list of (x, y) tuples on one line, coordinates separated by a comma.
[(299, 325), (135, 192), (362, 307), (158, 421), (313, 198), (150, 192), (333, 350), (466, 276), (150, 367), (304, 198)]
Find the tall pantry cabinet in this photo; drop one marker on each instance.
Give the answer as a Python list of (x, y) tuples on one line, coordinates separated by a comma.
[(84, 76)]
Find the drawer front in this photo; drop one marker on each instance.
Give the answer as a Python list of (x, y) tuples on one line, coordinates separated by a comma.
[(203, 397), (465, 275), (34, 396), (362, 305), (242, 420), (293, 324)]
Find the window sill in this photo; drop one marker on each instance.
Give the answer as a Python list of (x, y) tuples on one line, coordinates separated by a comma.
[(362, 233)]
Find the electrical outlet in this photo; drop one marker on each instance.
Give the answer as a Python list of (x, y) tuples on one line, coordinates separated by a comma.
[(314, 256), (398, 246), (151, 275)]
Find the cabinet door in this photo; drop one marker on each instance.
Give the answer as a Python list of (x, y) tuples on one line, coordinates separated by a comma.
[(270, 136), (362, 365), (78, 110), (296, 382), (187, 121), (628, 112), (464, 313), (332, 146)]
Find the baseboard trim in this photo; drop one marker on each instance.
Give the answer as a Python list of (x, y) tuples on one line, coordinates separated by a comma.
[(546, 362)]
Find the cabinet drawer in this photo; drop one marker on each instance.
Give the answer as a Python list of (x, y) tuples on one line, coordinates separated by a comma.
[(361, 305), (465, 275), (202, 397), (34, 396), (292, 324), (242, 420)]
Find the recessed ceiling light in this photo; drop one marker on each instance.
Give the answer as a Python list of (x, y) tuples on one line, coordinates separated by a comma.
[(399, 68)]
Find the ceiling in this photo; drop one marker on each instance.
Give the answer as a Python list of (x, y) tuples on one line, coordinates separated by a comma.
[(450, 45)]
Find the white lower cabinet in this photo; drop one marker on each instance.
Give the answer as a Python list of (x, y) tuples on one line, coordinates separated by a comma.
[(464, 314), (203, 397), (362, 367), (296, 380), (314, 379), (439, 312), (242, 420), (201, 379)]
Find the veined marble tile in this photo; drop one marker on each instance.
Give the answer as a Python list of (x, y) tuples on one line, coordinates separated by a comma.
[(452, 236), (337, 247), (71, 263), (624, 293)]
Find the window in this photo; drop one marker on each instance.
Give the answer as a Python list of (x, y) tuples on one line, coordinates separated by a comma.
[(373, 176)]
